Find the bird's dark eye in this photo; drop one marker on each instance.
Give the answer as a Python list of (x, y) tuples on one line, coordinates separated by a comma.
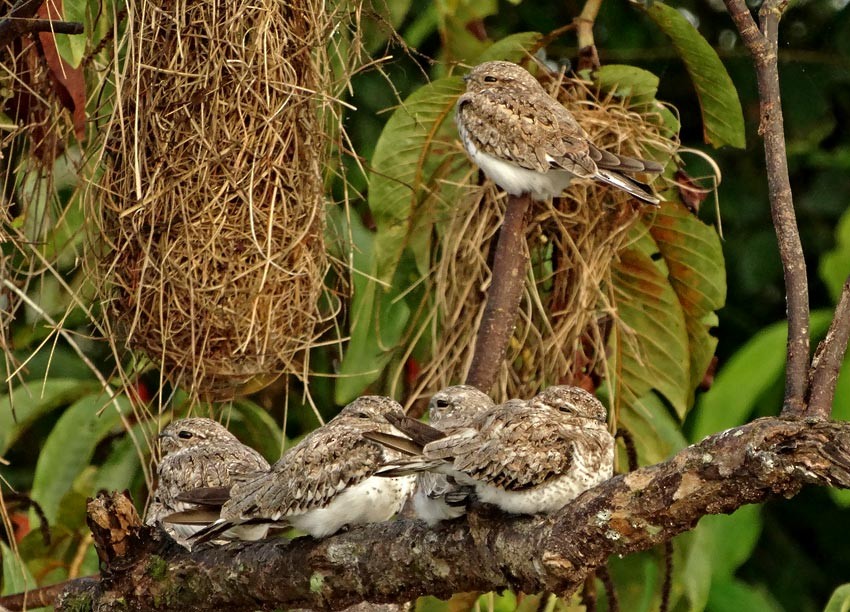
[(186, 435), (442, 403), (489, 79), (361, 415)]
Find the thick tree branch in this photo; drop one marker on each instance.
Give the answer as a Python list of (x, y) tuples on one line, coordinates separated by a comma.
[(510, 265), (400, 560), (762, 43), (828, 358)]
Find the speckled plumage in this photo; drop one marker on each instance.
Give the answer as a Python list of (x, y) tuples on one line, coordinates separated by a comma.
[(527, 142), (526, 456), (197, 452), (326, 481), (438, 497)]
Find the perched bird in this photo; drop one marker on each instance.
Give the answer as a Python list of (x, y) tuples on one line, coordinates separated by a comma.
[(325, 482), (438, 497), (197, 452), (525, 457), (527, 142)]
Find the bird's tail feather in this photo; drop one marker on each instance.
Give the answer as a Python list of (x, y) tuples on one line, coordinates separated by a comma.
[(631, 186), (405, 468), (403, 445)]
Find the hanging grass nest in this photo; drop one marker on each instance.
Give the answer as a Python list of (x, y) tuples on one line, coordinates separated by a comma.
[(212, 205), (568, 305)]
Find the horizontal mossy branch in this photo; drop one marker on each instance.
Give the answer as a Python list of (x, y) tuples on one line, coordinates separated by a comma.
[(398, 561)]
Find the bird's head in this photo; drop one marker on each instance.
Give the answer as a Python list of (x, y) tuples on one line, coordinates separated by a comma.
[(369, 409), (458, 403), (186, 433), (572, 401), (497, 75)]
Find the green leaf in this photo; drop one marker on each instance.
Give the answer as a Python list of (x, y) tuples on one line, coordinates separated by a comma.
[(652, 339), (511, 48), (72, 48), (840, 600), (30, 400), (70, 446), (637, 84), (655, 432), (378, 320), (16, 576), (835, 265), (255, 427), (735, 595), (738, 384), (696, 270), (722, 116), (413, 152)]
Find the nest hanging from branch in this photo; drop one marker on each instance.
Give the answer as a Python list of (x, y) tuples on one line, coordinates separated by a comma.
[(573, 241), (212, 204)]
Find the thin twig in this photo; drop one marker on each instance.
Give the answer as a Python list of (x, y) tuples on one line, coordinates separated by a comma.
[(828, 359), (510, 265), (57, 27), (610, 590), (667, 585), (762, 43)]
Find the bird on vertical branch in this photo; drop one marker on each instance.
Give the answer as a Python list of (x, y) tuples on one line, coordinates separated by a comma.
[(525, 141)]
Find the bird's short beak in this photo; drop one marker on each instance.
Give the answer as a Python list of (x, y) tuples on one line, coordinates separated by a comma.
[(466, 78)]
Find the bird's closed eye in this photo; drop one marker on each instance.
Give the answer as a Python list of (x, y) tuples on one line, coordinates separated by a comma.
[(186, 435), (567, 409), (489, 79), (361, 415)]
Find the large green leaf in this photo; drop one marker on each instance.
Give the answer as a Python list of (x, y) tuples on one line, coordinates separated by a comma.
[(30, 400), (739, 385), (655, 432), (652, 337), (835, 265), (377, 320), (691, 249), (840, 600), (636, 84), (16, 576), (412, 153), (735, 595), (255, 427), (722, 116), (70, 446)]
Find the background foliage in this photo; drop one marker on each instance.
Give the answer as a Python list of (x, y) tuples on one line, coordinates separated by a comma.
[(783, 556)]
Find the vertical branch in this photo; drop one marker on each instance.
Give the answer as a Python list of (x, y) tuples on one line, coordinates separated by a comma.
[(762, 43), (828, 358), (587, 54), (510, 264)]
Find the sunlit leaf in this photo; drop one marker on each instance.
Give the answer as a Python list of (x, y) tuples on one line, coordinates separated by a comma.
[(639, 85), (734, 595), (655, 432), (70, 446), (722, 116), (511, 48)]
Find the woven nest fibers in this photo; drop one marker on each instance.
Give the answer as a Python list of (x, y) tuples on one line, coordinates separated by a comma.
[(211, 205), (572, 241)]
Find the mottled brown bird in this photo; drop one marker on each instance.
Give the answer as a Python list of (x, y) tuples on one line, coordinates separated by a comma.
[(439, 497), (197, 452), (326, 481), (527, 142), (525, 457)]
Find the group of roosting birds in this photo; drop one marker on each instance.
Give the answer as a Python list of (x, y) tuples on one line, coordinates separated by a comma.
[(523, 456)]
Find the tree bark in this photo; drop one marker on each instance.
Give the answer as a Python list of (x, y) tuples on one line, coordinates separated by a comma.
[(400, 560)]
